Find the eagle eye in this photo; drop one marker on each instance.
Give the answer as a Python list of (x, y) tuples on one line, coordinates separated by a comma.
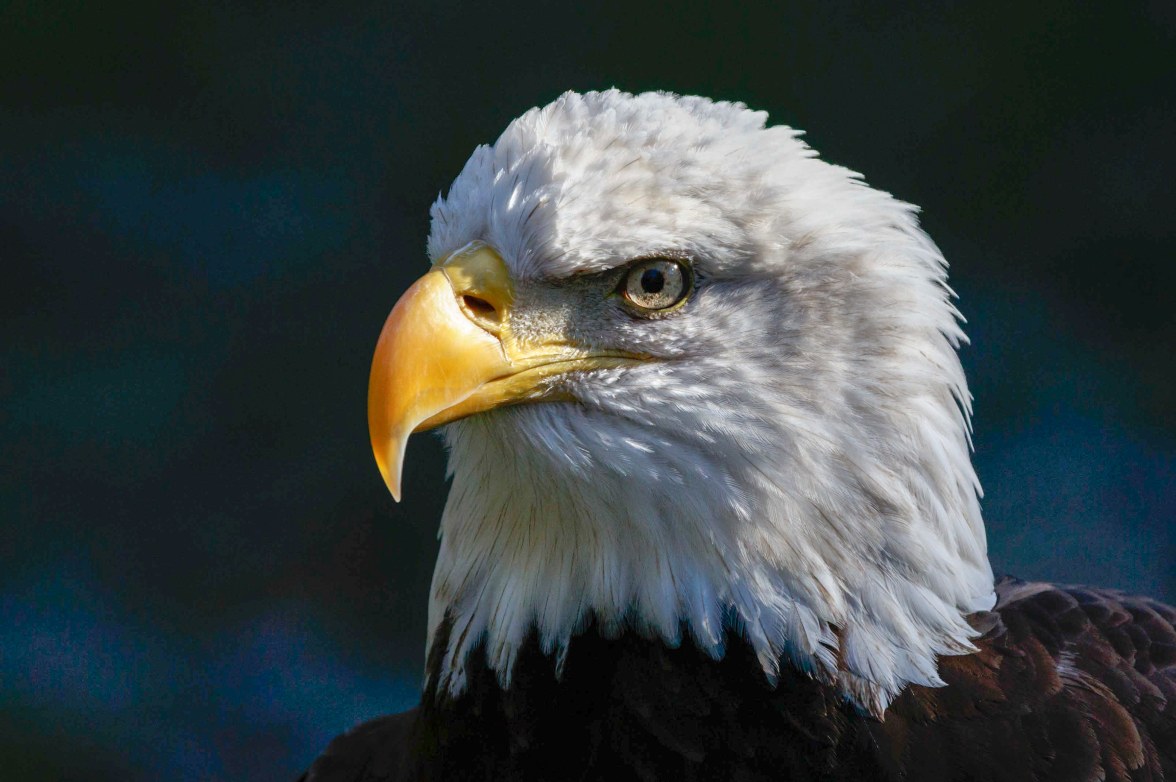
[(656, 284)]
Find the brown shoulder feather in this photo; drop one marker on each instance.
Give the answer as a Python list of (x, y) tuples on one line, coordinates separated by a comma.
[(376, 751), (1071, 684)]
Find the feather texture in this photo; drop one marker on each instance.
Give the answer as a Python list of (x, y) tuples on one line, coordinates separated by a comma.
[(795, 453)]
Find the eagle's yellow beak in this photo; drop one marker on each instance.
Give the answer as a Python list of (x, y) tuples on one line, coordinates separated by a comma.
[(447, 352)]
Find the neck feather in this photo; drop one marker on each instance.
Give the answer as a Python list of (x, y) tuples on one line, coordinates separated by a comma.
[(859, 575)]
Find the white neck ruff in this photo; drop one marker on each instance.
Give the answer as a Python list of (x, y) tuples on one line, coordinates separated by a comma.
[(559, 514)]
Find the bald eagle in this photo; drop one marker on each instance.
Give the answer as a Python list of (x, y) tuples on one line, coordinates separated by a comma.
[(713, 512)]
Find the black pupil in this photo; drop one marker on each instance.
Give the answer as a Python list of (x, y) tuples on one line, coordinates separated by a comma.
[(653, 280)]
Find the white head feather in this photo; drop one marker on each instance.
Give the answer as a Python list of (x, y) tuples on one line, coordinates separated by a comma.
[(796, 466)]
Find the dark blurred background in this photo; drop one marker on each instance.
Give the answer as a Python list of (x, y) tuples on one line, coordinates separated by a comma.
[(206, 215)]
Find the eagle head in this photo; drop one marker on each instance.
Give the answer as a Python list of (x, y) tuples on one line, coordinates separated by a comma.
[(693, 381)]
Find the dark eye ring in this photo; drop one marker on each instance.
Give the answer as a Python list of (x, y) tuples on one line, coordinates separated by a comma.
[(656, 284)]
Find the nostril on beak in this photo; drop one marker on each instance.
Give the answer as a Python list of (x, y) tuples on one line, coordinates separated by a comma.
[(479, 306), (481, 312)]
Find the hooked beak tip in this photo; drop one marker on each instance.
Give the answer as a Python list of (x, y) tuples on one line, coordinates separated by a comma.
[(390, 460)]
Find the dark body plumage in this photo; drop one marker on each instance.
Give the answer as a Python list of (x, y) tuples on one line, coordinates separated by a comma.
[(1070, 685)]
